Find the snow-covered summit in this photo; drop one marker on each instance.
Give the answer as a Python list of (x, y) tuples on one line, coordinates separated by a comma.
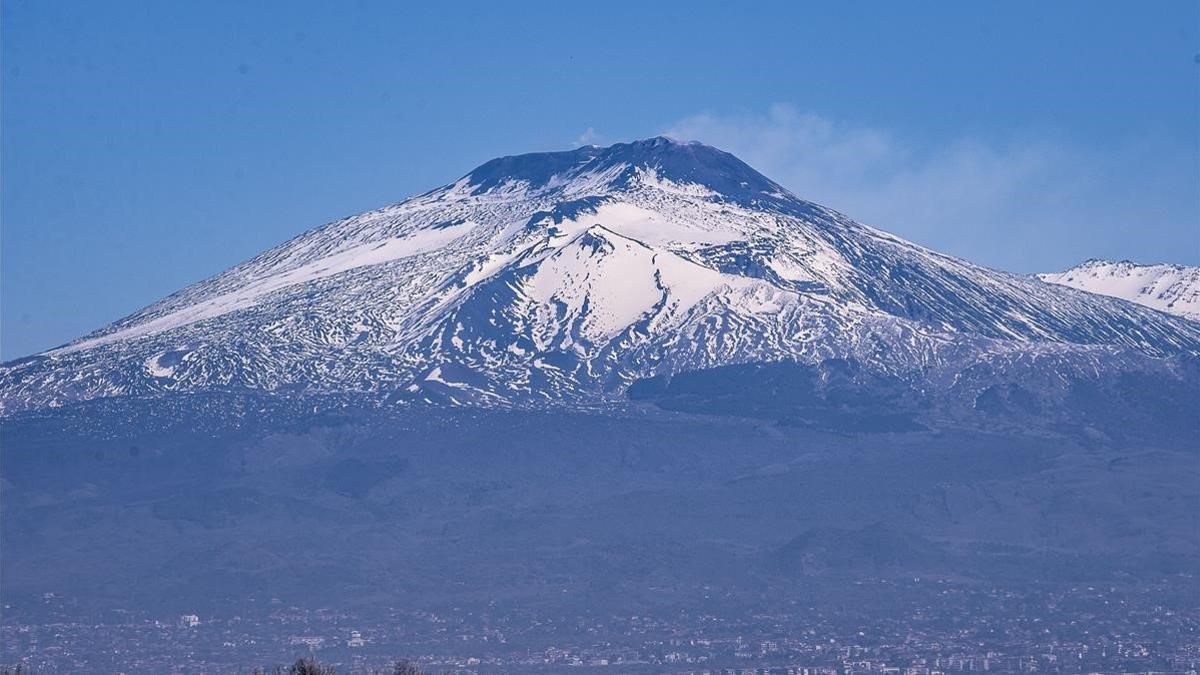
[(622, 165), (1169, 288), (564, 276)]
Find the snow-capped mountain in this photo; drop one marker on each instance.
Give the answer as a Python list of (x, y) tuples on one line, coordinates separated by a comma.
[(1174, 289), (564, 276)]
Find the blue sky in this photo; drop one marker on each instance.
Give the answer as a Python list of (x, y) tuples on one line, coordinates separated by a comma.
[(148, 145)]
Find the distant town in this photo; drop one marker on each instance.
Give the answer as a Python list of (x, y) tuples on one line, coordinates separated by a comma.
[(954, 629)]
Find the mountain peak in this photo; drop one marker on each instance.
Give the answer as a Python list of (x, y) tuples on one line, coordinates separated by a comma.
[(1167, 287), (620, 165)]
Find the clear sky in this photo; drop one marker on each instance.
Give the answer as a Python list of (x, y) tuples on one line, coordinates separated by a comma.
[(148, 145)]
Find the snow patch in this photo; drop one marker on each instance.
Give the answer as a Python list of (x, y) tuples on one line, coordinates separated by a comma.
[(363, 255)]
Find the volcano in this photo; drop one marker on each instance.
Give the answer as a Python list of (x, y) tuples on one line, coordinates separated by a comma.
[(561, 278)]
